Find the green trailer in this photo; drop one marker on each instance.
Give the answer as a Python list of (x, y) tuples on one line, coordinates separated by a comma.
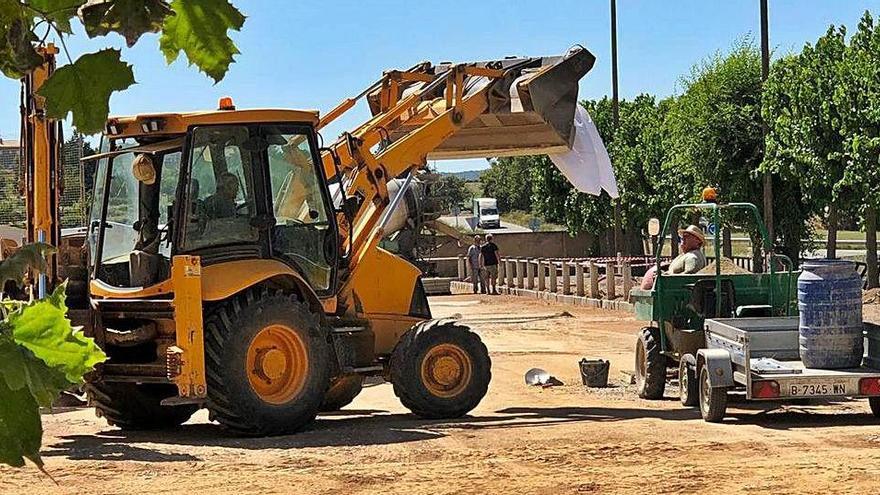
[(678, 305)]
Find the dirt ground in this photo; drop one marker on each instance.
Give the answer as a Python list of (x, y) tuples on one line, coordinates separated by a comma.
[(520, 440)]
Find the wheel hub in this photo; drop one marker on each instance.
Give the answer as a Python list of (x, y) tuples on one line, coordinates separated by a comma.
[(277, 364), (446, 370)]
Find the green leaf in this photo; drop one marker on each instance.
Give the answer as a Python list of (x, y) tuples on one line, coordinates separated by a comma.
[(58, 11), (28, 256), (17, 52), (20, 430), (20, 368), (84, 88), (130, 18), (199, 28), (42, 327)]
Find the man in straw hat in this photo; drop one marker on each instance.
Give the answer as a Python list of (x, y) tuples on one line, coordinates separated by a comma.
[(691, 259)]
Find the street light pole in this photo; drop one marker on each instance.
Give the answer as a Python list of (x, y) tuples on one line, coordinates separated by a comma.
[(615, 119), (765, 72)]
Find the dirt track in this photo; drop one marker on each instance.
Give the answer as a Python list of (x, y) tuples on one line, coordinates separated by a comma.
[(519, 440)]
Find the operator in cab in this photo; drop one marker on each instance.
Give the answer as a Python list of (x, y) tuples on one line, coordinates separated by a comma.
[(221, 204), (691, 260)]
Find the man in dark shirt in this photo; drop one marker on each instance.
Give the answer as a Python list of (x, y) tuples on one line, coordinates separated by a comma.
[(489, 250)]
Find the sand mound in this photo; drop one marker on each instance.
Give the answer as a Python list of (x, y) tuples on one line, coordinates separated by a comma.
[(728, 267)]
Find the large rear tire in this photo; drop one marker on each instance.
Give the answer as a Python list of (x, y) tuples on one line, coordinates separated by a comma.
[(267, 363), (874, 403), (440, 369), (650, 365), (342, 392), (131, 406)]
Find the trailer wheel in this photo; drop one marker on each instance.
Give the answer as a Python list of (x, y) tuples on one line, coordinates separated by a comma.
[(874, 402), (342, 392), (440, 369), (132, 406), (266, 363), (713, 400), (650, 365), (688, 386)]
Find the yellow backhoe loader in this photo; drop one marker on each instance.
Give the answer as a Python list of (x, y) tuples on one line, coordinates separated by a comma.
[(234, 260)]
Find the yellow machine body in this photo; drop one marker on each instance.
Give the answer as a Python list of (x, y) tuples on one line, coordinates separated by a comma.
[(445, 111)]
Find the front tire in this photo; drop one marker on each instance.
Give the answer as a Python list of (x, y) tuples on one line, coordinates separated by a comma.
[(440, 369), (267, 363), (688, 386), (132, 406), (650, 365)]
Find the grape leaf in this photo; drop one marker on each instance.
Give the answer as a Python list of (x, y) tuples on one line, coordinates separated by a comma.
[(28, 256), (84, 88), (130, 18), (43, 328), (199, 28), (20, 430), (17, 46), (58, 11), (20, 368)]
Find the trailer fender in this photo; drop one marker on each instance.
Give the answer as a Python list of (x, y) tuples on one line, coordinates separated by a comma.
[(718, 362)]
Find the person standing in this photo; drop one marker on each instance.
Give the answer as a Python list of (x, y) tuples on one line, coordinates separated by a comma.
[(489, 250), (474, 261)]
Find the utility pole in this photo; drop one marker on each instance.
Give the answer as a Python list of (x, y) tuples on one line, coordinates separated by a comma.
[(615, 119), (765, 72)]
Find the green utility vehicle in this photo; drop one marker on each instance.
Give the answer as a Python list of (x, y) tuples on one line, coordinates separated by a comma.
[(678, 305)]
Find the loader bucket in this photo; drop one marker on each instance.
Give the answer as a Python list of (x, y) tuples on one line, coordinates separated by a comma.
[(531, 111)]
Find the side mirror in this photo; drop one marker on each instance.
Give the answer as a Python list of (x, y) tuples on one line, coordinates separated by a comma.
[(654, 227)]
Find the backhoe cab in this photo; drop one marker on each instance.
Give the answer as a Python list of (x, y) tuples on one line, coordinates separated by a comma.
[(235, 265)]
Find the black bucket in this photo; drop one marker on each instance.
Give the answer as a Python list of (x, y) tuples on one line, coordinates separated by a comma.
[(594, 372)]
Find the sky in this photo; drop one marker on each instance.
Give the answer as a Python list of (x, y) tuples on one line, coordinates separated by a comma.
[(312, 55)]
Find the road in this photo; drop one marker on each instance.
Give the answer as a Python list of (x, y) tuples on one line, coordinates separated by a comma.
[(468, 221), (519, 440)]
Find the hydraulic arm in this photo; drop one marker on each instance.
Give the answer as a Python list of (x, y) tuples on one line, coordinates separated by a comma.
[(497, 108)]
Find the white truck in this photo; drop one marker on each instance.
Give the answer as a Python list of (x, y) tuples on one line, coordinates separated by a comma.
[(486, 213)]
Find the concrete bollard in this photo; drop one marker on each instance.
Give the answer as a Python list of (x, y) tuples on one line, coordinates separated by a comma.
[(530, 274), (594, 281), (511, 273), (520, 276), (542, 281), (553, 285), (579, 279), (610, 279), (501, 273), (627, 280), (566, 278), (462, 271)]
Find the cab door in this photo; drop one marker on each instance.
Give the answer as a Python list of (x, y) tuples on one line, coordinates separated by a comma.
[(304, 233)]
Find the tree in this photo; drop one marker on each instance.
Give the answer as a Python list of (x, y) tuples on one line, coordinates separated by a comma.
[(858, 98), (715, 133), (82, 88), (508, 181), (450, 191), (805, 140)]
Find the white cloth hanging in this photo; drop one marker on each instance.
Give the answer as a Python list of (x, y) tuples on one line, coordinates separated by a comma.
[(587, 165)]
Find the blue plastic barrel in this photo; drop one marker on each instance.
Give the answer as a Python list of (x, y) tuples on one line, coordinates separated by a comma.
[(830, 303)]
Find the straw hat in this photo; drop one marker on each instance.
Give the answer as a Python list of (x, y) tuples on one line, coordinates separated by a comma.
[(694, 231), (143, 169)]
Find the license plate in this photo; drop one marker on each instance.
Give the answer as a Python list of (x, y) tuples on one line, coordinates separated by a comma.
[(816, 389)]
